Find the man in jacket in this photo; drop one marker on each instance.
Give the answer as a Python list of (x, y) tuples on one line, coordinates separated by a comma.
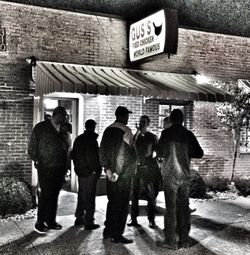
[(147, 175), (48, 148), (176, 147), (116, 156), (88, 169)]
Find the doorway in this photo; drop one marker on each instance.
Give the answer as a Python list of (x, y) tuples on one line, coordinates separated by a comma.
[(73, 103)]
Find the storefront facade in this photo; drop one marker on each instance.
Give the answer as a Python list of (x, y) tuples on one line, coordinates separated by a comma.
[(56, 37)]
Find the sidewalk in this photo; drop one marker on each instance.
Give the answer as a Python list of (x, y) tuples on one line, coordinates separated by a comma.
[(218, 227)]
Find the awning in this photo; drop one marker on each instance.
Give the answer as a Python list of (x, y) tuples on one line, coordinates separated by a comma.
[(59, 77), (245, 84)]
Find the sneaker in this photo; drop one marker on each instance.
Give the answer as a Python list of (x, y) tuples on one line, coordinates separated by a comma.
[(133, 223), (79, 222), (152, 224), (192, 210), (54, 225), (41, 228), (166, 245), (121, 239), (184, 245), (92, 226), (184, 242)]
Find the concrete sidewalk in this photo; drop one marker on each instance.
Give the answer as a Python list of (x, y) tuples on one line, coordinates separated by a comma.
[(218, 227)]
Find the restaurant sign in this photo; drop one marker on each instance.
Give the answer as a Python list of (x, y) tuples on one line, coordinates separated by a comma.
[(2, 39), (154, 34)]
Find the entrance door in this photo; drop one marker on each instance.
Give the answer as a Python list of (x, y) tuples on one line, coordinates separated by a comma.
[(73, 103)]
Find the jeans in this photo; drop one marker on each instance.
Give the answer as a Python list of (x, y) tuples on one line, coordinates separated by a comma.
[(86, 199), (150, 190), (177, 218), (50, 186), (117, 208)]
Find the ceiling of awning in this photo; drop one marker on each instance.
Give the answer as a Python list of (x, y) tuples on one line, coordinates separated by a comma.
[(59, 77)]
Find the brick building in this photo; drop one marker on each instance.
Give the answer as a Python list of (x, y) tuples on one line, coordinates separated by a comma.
[(62, 40)]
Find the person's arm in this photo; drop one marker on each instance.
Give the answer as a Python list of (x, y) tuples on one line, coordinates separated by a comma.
[(103, 151), (33, 146), (74, 150), (160, 145), (99, 168), (154, 145)]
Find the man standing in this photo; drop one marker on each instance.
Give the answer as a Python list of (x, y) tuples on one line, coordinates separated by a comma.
[(176, 147), (147, 175), (116, 156), (48, 148), (88, 169)]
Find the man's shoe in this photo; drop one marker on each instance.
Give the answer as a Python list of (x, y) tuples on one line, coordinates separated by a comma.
[(152, 224), (121, 239), (133, 223), (92, 226), (184, 245), (41, 228), (192, 210), (79, 222), (54, 226), (165, 245), (184, 242)]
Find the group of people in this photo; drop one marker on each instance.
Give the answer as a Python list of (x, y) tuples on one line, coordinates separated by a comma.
[(130, 164)]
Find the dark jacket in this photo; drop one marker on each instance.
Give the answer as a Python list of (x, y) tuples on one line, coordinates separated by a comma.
[(116, 152), (177, 146), (85, 154), (147, 166), (47, 147)]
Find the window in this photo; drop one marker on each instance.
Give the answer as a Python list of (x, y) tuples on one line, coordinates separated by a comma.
[(165, 110), (245, 140)]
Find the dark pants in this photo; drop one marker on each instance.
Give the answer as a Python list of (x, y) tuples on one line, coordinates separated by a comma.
[(86, 199), (50, 186), (117, 208), (150, 190), (177, 217)]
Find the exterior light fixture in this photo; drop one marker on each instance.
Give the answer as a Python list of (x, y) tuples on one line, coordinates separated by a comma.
[(199, 77), (31, 60)]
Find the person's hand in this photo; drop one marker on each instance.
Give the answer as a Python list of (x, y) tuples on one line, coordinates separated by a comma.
[(114, 177), (109, 173), (111, 176), (37, 164), (159, 161)]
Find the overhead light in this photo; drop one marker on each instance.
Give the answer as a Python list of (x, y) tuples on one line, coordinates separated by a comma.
[(199, 77)]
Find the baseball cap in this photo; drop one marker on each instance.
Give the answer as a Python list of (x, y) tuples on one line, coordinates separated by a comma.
[(121, 110)]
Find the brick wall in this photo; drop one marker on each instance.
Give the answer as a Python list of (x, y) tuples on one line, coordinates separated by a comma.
[(16, 114), (217, 56), (151, 109), (215, 141)]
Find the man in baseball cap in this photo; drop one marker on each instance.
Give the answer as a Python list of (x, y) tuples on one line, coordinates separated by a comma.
[(117, 158), (121, 110)]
